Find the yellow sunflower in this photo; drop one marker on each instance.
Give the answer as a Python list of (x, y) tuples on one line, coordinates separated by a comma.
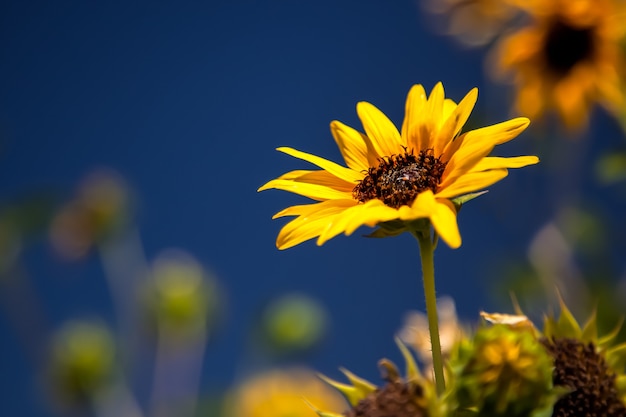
[(568, 58), (394, 179), (282, 393)]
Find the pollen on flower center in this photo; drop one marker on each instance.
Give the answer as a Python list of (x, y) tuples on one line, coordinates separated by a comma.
[(398, 179), (566, 46), (580, 368)]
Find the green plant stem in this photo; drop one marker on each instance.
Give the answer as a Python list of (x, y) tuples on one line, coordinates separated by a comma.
[(427, 251)]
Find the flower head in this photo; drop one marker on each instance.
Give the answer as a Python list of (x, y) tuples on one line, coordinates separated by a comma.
[(398, 180), (282, 393), (587, 371), (409, 396), (568, 58), (82, 362), (503, 371), (589, 367)]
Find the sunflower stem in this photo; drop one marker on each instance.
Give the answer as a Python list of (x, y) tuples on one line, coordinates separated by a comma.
[(427, 252)]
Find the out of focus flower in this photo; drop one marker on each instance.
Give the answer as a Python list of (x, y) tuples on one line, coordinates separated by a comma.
[(415, 331), (408, 396), (473, 22), (293, 323), (394, 180), (282, 393), (567, 59), (503, 372), (181, 297), (591, 368), (82, 362), (98, 211)]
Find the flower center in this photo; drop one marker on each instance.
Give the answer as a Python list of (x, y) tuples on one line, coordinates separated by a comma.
[(566, 46), (580, 368), (398, 179)]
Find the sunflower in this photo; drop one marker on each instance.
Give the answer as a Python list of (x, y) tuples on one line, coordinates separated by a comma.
[(408, 396), (587, 368), (568, 58), (398, 180), (281, 393)]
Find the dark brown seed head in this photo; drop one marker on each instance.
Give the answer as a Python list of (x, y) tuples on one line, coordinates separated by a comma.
[(394, 399), (398, 179), (579, 367)]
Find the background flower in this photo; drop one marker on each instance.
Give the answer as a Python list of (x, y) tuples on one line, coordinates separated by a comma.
[(567, 58)]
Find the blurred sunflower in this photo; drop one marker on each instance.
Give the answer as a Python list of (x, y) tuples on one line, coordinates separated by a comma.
[(394, 179), (282, 393), (587, 368), (567, 59), (408, 396), (590, 367)]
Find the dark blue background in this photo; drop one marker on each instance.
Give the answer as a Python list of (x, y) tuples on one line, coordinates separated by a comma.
[(188, 101)]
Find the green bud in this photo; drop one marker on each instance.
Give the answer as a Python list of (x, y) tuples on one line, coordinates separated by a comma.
[(293, 322), (504, 372), (182, 297), (82, 361)]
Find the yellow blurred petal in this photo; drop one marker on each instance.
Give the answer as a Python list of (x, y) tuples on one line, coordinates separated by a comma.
[(520, 46), (472, 181), (380, 130), (329, 166), (495, 162), (352, 146)]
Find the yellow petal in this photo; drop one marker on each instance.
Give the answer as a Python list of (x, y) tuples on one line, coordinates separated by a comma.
[(448, 107), (314, 191), (468, 149), (411, 133), (494, 162), (307, 209), (329, 166), (370, 213), (471, 182), (380, 130), (444, 222), (306, 227), (434, 110), (455, 121), (315, 177), (352, 146), (442, 215)]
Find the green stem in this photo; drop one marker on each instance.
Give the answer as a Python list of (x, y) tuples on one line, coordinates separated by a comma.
[(427, 251)]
